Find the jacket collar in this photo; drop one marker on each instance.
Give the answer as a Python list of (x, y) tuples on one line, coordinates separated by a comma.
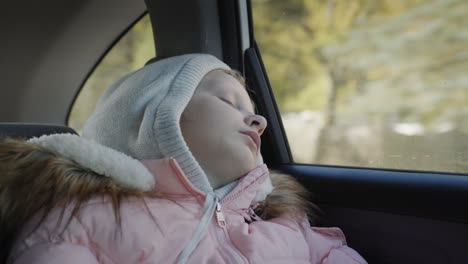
[(170, 180)]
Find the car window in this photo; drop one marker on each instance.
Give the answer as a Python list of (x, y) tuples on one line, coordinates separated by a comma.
[(129, 53), (378, 84)]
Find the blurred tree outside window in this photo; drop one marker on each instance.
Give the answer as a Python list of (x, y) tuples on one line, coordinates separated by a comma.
[(369, 83), (129, 53)]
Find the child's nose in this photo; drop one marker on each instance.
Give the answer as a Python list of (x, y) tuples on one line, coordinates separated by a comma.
[(257, 122)]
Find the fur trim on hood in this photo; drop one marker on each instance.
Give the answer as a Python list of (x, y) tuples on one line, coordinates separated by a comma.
[(35, 179), (123, 169)]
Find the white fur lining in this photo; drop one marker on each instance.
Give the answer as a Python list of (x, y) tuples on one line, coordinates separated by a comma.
[(265, 189), (124, 170)]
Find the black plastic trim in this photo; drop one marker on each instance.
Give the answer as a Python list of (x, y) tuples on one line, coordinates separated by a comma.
[(275, 148), (425, 194), (182, 27), (251, 24), (230, 34)]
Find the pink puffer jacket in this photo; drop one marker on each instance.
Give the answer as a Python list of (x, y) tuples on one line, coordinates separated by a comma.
[(92, 236)]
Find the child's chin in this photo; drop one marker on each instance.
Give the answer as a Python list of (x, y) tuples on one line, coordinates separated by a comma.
[(252, 166), (243, 169)]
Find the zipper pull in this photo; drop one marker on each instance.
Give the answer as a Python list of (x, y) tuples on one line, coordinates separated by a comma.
[(220, 216)]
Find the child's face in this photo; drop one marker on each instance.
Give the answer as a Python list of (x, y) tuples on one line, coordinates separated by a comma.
[(216, 123)]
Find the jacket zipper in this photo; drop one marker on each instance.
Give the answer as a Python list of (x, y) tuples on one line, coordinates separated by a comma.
[(222, 224), (220, 216)]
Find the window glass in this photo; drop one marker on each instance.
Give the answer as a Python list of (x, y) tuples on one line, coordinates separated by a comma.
[(131, 52), (369, 83)]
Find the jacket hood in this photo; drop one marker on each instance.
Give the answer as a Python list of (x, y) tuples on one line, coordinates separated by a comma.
[(121, 168), (38, 176), (65, 153)]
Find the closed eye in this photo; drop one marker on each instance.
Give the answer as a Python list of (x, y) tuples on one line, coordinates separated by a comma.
[(227, 101)]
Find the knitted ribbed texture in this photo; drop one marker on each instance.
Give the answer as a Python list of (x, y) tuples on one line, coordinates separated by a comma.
[(140, 114)]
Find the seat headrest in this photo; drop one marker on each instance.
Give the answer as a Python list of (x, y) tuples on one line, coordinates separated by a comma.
[(30, 130)]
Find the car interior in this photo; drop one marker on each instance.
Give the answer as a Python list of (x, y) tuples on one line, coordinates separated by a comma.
[(50, 48)]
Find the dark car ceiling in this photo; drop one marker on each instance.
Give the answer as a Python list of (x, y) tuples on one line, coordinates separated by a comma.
[(48, 49)]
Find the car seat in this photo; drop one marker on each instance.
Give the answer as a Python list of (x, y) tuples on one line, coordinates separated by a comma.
[(30, 130)]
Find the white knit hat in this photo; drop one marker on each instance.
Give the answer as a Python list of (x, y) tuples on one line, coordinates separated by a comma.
[(139, 115)]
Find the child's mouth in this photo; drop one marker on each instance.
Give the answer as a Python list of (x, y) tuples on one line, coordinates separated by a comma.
[(254, 137)]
